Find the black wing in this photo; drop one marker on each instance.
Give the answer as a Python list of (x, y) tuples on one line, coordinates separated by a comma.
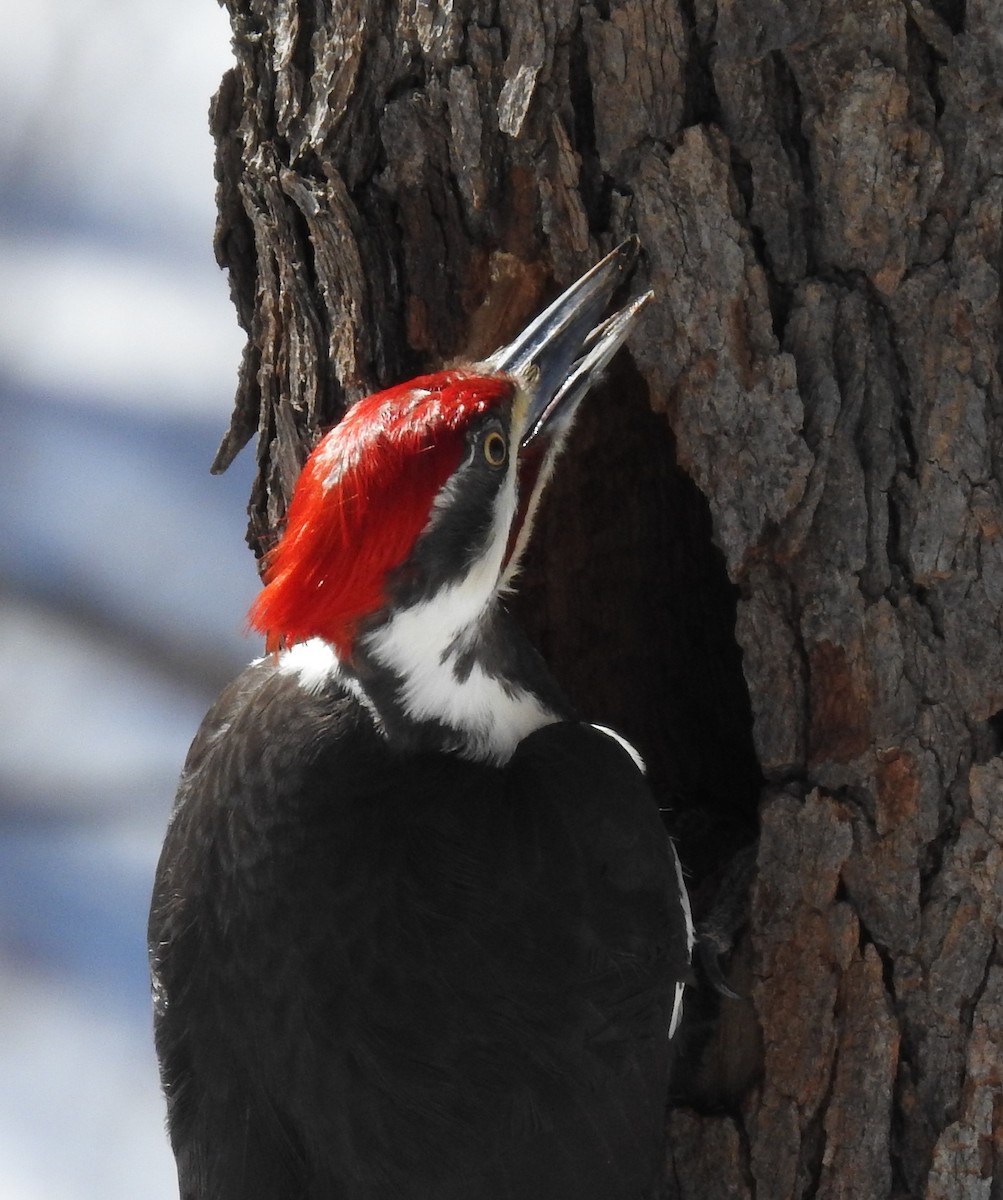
[(384, 975)]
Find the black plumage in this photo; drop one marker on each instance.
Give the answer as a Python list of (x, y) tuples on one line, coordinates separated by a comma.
[(457, 989)]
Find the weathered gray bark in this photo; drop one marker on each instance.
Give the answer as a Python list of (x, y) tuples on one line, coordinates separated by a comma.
[(775, 557)]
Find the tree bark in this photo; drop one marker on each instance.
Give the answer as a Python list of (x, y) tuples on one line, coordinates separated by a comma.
[(774, 556)]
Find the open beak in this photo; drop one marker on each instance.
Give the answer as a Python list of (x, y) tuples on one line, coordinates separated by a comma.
[(566, 348)]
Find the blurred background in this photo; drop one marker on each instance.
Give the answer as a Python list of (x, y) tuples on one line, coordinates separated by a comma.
[(123, 573)]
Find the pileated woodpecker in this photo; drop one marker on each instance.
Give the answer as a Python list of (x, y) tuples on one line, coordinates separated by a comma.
[(417, 930)]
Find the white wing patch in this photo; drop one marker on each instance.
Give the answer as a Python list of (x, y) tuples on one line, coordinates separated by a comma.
[(684, 899), (677, 1009), (631, 750)]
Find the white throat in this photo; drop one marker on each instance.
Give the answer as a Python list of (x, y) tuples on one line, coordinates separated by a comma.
[(490, 716), (423, 646)]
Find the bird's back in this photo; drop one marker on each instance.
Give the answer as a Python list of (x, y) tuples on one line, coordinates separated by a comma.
[(383, 974)]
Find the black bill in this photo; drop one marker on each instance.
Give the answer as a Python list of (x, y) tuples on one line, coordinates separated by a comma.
[(568, 346)]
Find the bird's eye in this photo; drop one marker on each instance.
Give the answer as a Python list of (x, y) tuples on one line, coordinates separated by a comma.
[(495, 449)]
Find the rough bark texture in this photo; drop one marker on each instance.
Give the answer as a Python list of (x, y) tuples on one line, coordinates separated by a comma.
[(775, 555)]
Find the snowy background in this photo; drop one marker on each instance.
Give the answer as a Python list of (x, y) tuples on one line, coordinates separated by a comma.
[(124, 576)]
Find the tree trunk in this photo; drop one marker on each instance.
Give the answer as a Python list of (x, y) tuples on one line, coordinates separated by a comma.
[(774, 558)]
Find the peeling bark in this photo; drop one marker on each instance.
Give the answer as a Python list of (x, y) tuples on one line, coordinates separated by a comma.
[(774, 557)]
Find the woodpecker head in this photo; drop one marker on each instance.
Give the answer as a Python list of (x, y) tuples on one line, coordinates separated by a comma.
[(411, 515)]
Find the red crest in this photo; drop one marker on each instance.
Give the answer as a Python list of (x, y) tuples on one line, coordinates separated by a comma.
[(364, 496)]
